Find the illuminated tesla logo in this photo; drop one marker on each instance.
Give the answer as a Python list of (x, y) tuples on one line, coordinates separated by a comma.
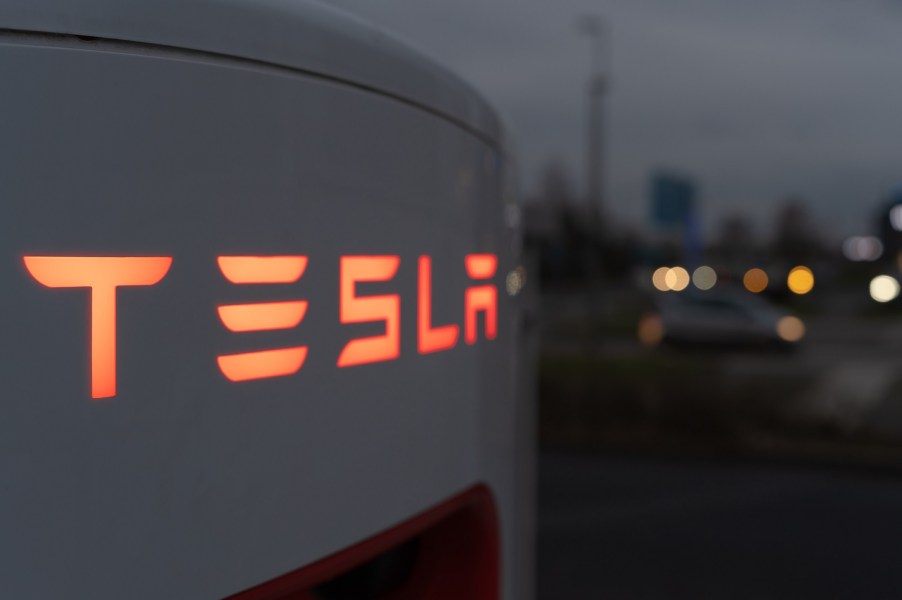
[(103, 275), (481, 298), (429, 338), (262, 316)]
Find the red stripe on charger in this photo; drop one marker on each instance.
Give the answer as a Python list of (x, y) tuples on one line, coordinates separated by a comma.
[(458, 556)]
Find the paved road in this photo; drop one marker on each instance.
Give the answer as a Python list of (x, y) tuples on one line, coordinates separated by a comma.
[(635, 528)]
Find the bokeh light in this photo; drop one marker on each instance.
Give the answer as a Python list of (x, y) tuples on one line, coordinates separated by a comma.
[(755, 280), (658, 279), (651, 330), (862, 248), (515, 281), (895, 217), (790, 329), (884, 288), (704, 278), (677, 279), (800, 280)]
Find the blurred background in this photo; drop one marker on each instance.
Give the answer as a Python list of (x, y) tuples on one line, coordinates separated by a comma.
[(712, 209)]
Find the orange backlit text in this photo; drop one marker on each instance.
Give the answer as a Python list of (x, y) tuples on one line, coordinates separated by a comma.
[(429, 338), (102, 274), (481, 298), (357, 309), (262, 316)]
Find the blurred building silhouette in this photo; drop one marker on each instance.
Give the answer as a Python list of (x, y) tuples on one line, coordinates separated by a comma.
[(795, 240), (567, 238)]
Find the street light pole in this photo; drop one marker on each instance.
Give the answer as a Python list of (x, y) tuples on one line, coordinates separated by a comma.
[(595, 28)]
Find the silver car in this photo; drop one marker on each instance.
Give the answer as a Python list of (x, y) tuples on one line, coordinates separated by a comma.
[(723, 318)]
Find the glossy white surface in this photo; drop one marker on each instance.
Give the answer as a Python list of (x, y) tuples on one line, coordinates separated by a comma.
[(298, 34), (186, 485)]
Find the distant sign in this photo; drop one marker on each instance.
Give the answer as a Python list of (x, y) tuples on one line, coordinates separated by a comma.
[(673, 200), (673, 212)]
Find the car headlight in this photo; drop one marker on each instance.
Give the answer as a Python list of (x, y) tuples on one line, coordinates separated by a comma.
[(790, 329)]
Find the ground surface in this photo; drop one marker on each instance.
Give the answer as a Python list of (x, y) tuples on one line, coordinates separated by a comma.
[(631, 527)]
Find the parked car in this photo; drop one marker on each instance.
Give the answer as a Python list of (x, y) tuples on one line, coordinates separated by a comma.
[(720, 318)]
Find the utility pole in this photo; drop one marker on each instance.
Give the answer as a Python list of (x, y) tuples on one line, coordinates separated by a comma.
[(595, 28)]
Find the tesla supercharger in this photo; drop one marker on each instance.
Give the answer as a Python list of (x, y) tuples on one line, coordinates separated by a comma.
[(259, 317)]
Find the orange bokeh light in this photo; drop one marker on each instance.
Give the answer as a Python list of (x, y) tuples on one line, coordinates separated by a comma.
[(755, 280), (102, 274), (800, 280), (262, 269), (481, 298), (651, 330), (355, 309), (263, 364), (429, 338)]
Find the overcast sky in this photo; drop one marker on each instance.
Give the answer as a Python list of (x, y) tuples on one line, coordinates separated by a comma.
[(757, 99)]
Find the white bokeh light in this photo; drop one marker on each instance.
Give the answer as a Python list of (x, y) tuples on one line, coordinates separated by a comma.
[(704, 278), (884, 288), (895, 217), (862, 248)]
